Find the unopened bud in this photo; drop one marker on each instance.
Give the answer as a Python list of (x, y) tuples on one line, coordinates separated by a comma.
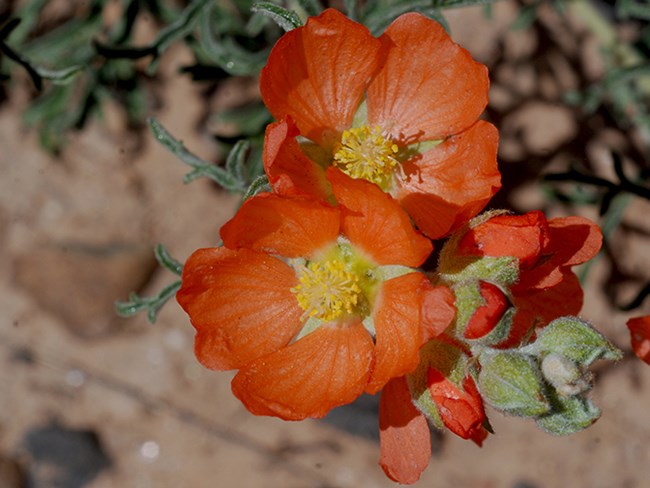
[(512, 383), (459, 407), (573, 339), (444, 357), (487, 316), (565, 375)]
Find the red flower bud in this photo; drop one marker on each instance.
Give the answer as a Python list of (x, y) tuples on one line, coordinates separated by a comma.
[(487, 316), (461, 409)]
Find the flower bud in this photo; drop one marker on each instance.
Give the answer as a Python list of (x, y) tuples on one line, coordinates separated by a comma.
[(565, 376), (512, 383), (460, 408), (573, 339), (488, 315)]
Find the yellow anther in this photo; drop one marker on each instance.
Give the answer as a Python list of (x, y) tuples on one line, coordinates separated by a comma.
[(365, 153), (327, 290)]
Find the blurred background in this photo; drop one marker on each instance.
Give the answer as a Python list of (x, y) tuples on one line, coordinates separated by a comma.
[(89, 399)]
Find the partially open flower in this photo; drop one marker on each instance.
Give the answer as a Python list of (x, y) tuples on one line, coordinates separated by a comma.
[(313, 303), (400, 111)]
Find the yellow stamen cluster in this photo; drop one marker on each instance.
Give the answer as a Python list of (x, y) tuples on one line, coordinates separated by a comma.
[(327, 290), (366, 153)]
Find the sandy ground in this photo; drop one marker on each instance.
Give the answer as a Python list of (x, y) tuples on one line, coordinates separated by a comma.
[(91, 400)]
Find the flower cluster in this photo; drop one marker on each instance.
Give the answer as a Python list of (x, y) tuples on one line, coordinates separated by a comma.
[(321, 290), (512, 342)]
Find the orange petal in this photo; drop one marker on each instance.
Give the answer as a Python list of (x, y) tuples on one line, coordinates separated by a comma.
[(429, 87), (375, 223), (327, 368), (290, 227), (438, 310), (240, 304), (572, 241), (576, 239), (452, 182), (405, 442), (479, 435), (520, 236), (537, 307), (398, 329), (640, 336), (434, 217), (317, 74), (290, 172)]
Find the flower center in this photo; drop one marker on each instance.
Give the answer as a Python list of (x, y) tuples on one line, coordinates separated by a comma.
[(327, 290), (366, 153)]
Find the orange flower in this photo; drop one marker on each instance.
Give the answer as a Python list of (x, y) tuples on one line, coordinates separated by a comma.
[(314, 304), (546, 251), (400, 110), (640, 336)]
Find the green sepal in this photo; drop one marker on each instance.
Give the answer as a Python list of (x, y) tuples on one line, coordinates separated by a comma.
[(500, 332), (468, 299), (511, 382), (569, 415), (502, 270), (574, 339)]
